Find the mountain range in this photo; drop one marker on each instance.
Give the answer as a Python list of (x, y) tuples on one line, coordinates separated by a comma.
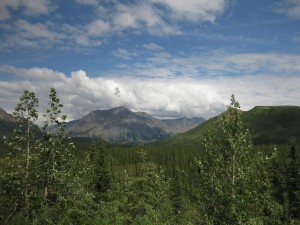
[(267, 124), (121, 124), (116, 125)]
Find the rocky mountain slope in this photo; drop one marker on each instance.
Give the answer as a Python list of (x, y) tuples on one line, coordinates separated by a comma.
[(121, 124), (7, 123)]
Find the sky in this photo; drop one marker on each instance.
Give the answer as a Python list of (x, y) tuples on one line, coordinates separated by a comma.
[(168, 58)]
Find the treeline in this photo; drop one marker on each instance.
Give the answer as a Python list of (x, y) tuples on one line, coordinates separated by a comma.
[(46, 179)]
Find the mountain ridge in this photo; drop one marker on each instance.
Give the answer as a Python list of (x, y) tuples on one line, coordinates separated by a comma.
[(266, 124), (122, 124), (7, 123)]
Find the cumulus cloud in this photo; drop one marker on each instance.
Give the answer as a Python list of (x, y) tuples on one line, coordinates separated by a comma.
[(161, 97)]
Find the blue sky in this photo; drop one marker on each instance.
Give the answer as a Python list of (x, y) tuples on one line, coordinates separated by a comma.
[(169, 58)]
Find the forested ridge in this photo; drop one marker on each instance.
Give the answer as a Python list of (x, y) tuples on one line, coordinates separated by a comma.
[(222, 179)]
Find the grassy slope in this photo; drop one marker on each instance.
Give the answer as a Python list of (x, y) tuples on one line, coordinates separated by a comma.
[(267, 124)]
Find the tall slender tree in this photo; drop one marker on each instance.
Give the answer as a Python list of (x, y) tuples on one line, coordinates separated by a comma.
[(100, 174), (19, 181), (57, 152), (234, 185)]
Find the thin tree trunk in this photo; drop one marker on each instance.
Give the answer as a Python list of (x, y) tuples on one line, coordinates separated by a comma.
[(233, 177), (27, 165)]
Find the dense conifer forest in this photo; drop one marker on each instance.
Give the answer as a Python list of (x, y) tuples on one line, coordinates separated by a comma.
[(47, 178)]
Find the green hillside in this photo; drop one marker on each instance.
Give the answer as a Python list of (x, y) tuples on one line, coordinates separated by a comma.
[(267, 124), (6, 128)]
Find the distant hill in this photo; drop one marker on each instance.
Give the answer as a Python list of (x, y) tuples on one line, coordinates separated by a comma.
[(122, 125), (267, 124), (177, 126), (273, 124), (7, 123)]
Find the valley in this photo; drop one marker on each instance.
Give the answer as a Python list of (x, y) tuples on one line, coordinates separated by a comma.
[(162, 167)]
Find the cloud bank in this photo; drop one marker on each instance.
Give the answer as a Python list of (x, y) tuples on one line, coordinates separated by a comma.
[(161, 97)]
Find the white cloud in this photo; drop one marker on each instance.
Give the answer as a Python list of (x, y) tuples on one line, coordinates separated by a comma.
[(88, 2), (142, 17), (98, 28), (33, 74), (194, 10), (125, 17), (153, 47), (38, 30), (31, 7), (290, 8), (124, 54), (163, 97), (105, 21), (219, 63)]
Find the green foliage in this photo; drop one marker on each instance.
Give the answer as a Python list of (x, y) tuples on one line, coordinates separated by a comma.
[(56, 152), (101, 177), (286, 181), (233, 185), (39, 171), (145, 195), (161, 183), (293, 183), (267, 125), (19, 181)]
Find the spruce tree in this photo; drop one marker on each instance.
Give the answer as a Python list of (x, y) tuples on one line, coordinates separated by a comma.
[(145, 195), (293, 182), (101, 177)]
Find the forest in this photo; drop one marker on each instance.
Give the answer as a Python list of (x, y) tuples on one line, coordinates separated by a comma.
[(49, 178)]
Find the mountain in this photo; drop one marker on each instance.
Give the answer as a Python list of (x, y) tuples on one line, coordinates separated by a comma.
[(7, 123), (177, 126), (4, 116), (122, 125), (267, 124), (118, 124)]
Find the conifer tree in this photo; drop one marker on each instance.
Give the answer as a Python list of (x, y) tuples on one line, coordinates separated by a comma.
[(286, 183), (183, 209), (146, 194), (293, 184), (101, 177)]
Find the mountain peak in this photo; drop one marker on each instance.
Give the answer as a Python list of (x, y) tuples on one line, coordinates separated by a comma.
[(119, 109), (6, 116)]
